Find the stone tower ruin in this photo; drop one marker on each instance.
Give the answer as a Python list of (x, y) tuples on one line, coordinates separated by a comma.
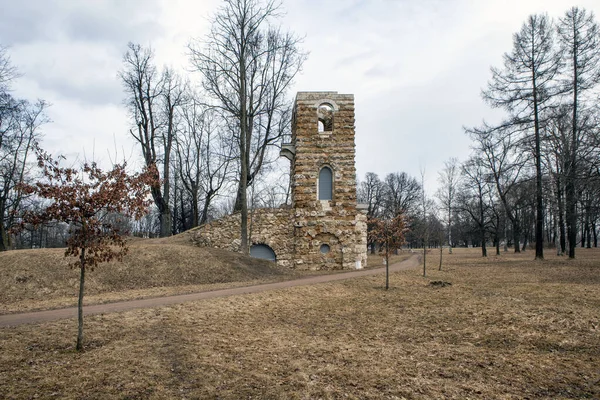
[(323, 229)]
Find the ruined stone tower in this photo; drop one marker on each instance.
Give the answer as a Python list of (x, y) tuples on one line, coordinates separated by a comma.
[(323, 229), (328, 228)]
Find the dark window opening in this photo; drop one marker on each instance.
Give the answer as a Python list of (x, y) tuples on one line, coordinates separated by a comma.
[(325, 184), (262, 251), (325, 114), (325, 248)]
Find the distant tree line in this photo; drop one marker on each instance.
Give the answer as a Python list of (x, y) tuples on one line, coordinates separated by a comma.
[(534, 178)]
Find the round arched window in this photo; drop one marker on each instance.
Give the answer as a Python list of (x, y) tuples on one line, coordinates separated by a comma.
[(325, 248)]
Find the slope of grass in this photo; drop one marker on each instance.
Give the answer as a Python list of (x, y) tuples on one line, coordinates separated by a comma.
[(41, 278), (507, 327)]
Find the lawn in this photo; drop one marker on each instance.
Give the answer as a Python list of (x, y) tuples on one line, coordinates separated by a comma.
[(507, 327)]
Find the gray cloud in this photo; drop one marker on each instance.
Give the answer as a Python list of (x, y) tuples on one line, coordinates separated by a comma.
[(74, 48), (111, 21)]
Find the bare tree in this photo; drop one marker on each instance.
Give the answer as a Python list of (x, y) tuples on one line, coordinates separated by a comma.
[(371, 192), (473, 195), (448, 179), (579, 38), (247, 66), (401, 194), (500, 151), (7, 72), (152, 99), (204, 158), (20, 123), (524, 87)]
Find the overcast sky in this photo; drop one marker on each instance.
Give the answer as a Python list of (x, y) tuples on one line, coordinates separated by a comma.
[(416, 67)]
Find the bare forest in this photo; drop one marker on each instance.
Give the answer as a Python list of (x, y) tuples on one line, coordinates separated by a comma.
[(533, 179)]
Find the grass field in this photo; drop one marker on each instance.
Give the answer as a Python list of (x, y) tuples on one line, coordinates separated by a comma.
[(41, 279), (507, 327)]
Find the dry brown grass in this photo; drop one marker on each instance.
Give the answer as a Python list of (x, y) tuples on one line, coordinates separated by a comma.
[(507, 328), (41, 279)]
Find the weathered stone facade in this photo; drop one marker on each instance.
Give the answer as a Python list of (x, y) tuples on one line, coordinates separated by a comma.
[(323, 229)]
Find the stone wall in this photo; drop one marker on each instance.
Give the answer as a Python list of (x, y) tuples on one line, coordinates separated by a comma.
[(270, 226)]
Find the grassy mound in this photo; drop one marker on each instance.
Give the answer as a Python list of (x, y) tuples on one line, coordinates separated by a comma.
[(41, 278)]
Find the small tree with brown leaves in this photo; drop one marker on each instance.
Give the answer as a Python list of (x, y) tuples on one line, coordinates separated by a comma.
[(389, 234), (84, 198)]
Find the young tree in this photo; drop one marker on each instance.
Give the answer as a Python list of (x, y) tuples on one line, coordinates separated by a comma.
[(525, 87), (84, 198), (247, 66), (389, 234)]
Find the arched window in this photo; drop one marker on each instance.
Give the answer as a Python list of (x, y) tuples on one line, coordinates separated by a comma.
[(325, 114), (325, 184), (262, 251)]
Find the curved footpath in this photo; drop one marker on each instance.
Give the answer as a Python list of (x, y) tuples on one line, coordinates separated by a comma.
[(71, 312)]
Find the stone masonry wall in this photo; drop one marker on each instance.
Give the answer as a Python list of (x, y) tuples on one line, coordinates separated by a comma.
[(270, 226)]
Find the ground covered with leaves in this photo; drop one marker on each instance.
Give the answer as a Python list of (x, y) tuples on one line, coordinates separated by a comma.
[(502, 327)]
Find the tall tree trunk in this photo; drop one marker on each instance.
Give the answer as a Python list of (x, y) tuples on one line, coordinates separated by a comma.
[(539, 205), (561, 219), (79, 345), (516, 223)]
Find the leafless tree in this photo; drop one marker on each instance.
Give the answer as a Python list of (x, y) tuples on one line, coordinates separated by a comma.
[(247, 66), (20, 123), (473, 197), (579, 38), (204, 158), (7, 72), (152, 99), (525, 87), (371, 192), (401, 194), (425, 206), (500, 151), (448, 179)]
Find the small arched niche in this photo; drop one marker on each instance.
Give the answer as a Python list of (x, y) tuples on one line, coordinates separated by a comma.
[(325, 118), (262, 251)]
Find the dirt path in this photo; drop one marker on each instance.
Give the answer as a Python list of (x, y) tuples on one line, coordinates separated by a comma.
[(71, 312)]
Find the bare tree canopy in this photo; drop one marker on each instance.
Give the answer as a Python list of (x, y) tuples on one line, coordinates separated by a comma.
[(247, 65), (525, 87), (152, 100), (20, 123)]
